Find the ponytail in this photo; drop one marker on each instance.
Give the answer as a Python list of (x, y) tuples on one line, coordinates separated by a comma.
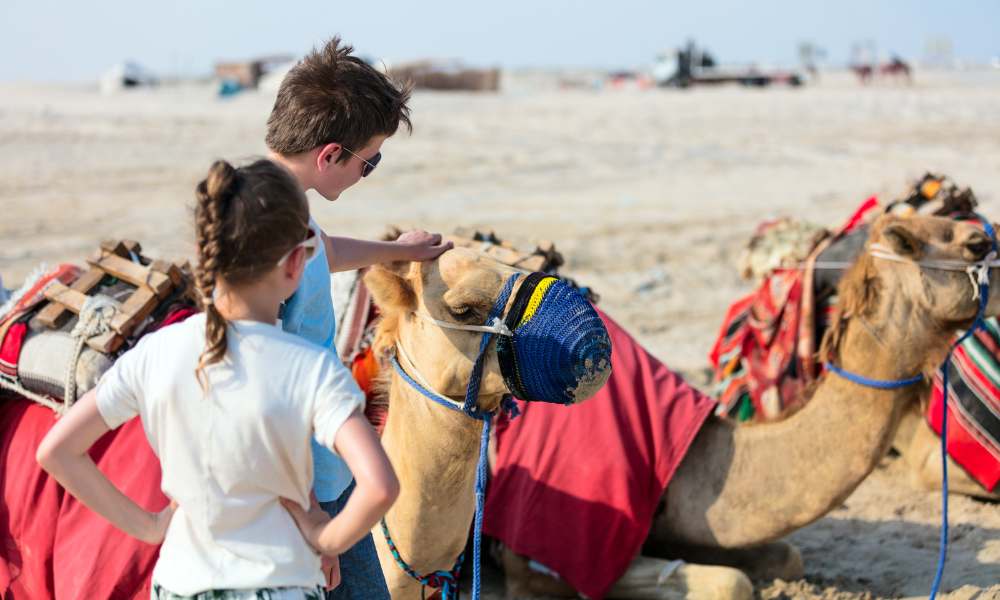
[(213, 195), (246, 219)]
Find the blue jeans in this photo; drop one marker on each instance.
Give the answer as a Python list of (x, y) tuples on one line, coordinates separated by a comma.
[(360, 572)]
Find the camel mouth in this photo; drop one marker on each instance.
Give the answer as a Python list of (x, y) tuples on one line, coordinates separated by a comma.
[(560, 350)]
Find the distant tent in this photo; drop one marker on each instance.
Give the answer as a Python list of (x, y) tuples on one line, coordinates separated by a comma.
[(126, 75)]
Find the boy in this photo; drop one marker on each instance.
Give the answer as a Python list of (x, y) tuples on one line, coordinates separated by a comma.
[(332, 115)]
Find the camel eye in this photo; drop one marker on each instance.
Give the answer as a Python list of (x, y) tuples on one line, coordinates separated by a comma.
[(460, 312), (467, 313)]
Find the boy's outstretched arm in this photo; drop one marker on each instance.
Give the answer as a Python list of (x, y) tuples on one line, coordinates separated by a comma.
[(63, 453), (347, 254)]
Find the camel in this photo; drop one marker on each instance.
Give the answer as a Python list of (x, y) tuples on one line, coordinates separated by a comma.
[(435, 450), (739, 489)]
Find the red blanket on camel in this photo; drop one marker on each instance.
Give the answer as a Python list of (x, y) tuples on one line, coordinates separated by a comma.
[(53, 546), (576, 487)]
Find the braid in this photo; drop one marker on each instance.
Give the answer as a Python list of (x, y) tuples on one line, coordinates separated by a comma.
[(212, 194)]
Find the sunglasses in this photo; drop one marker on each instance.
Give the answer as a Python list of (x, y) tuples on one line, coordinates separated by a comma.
[(311, 243), (370, 164)]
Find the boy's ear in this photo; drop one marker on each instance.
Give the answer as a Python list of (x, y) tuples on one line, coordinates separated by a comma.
[(390, 288), (327, 155)]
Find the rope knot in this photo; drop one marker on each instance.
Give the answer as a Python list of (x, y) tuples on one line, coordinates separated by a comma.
[(508, 406), (95, 319)]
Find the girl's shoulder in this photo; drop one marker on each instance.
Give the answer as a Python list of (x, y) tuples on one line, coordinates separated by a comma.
[(273, 341)]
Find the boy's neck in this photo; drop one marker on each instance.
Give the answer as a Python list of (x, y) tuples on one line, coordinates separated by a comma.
[(298, 165)]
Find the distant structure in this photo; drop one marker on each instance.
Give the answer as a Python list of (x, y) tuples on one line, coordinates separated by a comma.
[(235, 76), (692, 65), (126, 75), (446, 75), (810, 54), (939, 53)]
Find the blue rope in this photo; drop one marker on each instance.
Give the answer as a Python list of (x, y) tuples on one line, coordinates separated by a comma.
[(426, 392), (979, 323), (882, 384), (448, 581), (471, 407)]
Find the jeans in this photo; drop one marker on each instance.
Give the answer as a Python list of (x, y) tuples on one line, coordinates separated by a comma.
[(360, 572)]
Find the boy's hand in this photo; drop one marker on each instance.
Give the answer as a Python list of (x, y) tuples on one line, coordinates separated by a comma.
[(331, 570), (418, 245)]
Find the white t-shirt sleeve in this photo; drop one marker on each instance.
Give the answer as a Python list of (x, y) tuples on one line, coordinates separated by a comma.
[(337, 395), (119, 392)]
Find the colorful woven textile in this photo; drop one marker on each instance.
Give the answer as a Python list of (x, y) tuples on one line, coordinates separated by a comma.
[(15, 313), (764, 357), (755, 355), (973, 406)]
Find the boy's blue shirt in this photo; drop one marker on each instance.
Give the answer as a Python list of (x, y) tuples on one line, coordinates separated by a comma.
[(309, 314)]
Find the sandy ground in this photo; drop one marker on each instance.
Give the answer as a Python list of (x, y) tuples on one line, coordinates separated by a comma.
[(650, 195)]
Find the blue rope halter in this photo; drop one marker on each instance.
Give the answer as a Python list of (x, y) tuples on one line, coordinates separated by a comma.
[(983, 284), (447, 581)]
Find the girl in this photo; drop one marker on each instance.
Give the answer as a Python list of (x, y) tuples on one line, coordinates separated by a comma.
[(229, 403)]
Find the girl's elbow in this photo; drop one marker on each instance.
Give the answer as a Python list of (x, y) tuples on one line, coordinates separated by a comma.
[(388, 492), (47, 456)]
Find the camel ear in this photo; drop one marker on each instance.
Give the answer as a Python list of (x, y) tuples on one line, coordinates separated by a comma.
[(902, 241), (389, 287)]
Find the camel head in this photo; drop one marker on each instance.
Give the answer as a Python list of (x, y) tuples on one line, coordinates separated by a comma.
[(935, 299), (461, 287)]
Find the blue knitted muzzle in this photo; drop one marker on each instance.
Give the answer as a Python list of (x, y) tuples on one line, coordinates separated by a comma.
[(560, 350)]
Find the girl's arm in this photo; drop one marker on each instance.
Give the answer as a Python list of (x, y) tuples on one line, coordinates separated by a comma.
[(63, 454), (376, 488)]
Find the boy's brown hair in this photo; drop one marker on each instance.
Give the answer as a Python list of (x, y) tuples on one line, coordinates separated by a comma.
[(331, 96)]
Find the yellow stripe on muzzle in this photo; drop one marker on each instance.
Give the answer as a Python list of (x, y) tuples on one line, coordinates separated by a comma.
[(536, 299)]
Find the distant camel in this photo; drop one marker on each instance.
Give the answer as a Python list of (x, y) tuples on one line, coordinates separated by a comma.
[(864, 73), (896, 68)]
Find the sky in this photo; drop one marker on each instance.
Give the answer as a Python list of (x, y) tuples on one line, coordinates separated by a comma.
[(76, 41)]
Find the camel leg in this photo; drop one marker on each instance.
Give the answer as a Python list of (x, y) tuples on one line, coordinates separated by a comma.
[(646, 579), (523, 582), (658, 579), (923, 455), (774, 560)]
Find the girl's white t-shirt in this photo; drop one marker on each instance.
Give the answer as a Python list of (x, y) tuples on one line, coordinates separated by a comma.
[(230, 452)]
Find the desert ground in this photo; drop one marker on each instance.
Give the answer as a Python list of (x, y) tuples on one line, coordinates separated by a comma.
[(650, 195)]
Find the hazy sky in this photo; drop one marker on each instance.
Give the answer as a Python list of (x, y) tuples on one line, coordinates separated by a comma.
[(64, 40)]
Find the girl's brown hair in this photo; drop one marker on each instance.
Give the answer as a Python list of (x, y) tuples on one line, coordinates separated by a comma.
[(246, 219)]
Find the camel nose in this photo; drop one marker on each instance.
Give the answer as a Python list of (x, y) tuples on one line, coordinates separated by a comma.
[(978, 246)]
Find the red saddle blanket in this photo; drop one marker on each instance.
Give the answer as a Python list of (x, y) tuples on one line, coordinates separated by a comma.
[(576, 487), (53, 546)]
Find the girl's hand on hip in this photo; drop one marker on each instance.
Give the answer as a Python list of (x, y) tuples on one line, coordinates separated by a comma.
[(311, 522), (159, 523)]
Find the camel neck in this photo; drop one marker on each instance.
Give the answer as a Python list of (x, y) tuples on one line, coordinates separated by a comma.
[(434, 451), (760, 482)]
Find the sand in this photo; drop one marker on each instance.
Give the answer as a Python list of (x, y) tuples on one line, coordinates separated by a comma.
[(650, 195)]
